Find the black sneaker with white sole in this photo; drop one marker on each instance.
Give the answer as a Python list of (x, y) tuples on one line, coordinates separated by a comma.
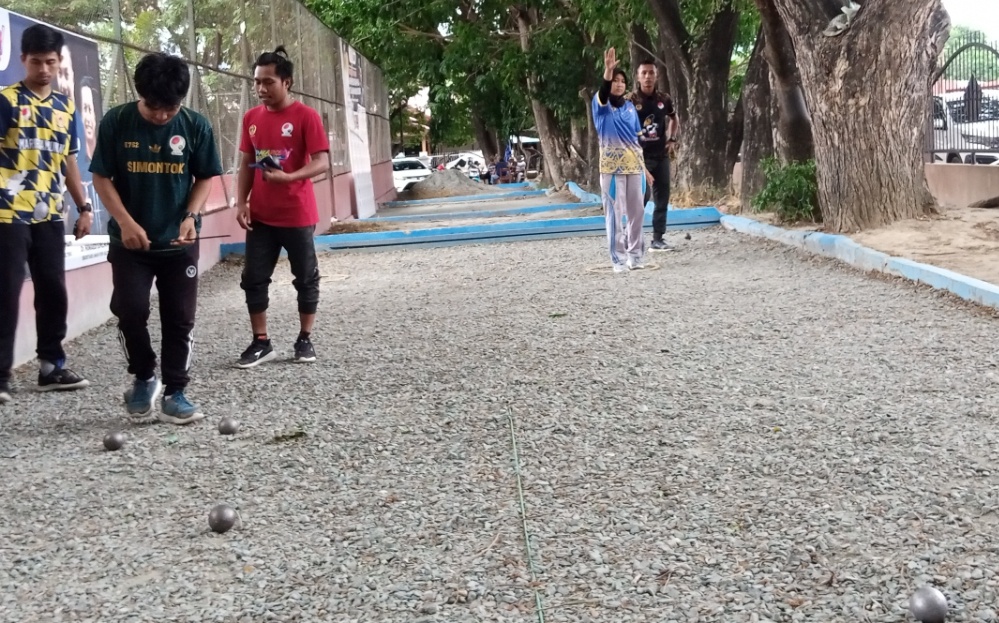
[(304, 352), (257, 353), (61, 379)]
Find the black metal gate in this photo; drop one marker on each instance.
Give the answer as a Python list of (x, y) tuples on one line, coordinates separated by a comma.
[(964, 115)]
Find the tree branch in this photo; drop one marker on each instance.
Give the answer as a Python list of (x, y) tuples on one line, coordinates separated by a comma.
[(674, 33)]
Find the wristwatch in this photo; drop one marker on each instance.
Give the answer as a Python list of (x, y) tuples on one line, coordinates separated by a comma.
[(84, 208), (190, 215)]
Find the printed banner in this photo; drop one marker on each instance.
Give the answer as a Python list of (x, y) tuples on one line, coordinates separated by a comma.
[(79, 78), (357, 131)]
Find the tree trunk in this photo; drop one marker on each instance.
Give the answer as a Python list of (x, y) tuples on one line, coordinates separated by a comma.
[(868, 90), (592, 180), (561, 164), (758, 133), (639, 38), (483, 137), (793, 122), (698, 75), (662, 83)]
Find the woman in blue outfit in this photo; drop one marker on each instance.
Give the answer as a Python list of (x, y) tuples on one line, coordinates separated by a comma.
[(622, 168)]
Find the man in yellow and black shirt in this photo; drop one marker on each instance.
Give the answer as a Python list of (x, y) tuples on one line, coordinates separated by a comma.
[(38, 147)]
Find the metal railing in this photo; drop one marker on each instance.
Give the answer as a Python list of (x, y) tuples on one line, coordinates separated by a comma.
[(963, 120)]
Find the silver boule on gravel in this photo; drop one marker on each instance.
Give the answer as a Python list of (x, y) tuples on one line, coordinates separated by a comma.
[(928, 605), (229, 426), (114, 440), (222, 518)]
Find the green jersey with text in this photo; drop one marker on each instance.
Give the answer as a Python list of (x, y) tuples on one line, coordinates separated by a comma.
[(153, 167)]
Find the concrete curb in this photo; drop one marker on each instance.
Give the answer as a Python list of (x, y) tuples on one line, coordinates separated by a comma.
[(513, 194), (495, 232), (584, 196), (846, 250), (554, 207)]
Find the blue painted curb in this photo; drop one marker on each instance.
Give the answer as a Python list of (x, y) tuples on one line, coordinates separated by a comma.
[(575, 189), (846, 250), (483, 213), (515, 194), (524, 230)]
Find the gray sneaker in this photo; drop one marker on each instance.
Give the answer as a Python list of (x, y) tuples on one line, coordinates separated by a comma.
[(661, 245), (139, 400)]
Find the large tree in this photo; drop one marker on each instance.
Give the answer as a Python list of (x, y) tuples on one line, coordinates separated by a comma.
[(866, 72), (699, 36)]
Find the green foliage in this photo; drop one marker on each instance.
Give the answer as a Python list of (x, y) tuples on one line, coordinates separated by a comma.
[(790, 190), (977, 62)]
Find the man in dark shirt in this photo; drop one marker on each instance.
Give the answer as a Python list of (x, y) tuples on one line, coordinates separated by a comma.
[(660, 125), (153, 168)]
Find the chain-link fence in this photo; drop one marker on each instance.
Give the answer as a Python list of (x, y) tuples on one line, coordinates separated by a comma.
[(220, 40), (964, 120)]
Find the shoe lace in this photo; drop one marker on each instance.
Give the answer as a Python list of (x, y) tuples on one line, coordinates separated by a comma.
[(180, 399)]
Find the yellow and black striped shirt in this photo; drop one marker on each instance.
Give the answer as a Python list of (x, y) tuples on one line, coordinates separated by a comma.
[(37, 136)]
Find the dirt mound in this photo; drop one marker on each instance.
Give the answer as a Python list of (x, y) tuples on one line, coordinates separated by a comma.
[(449, 183)]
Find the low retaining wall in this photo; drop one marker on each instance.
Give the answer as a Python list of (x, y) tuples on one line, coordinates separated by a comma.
[(849, 252)]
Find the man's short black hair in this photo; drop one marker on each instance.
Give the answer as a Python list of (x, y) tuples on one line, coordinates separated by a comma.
[(645, 61), (283, 66), (162, 80), (41, 39)]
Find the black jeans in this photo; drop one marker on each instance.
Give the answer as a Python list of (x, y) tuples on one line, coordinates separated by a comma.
[(263, 248), (176, 277), (659, 168), (42, 248)]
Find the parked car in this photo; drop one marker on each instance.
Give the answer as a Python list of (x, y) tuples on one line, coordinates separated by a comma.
[(408, 171), (955, 139), (982, 134), (948, 141), (468, 163)]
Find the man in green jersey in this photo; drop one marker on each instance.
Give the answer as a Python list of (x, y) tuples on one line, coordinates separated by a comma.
[(152, 169)]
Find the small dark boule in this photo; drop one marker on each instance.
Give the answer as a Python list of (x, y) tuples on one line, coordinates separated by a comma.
[(928, 605), (228, 426), (687, 237), (222, 518), (114, 440)]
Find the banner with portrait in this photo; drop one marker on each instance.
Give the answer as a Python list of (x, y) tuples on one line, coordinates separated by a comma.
[(357, 131), (79, 78)]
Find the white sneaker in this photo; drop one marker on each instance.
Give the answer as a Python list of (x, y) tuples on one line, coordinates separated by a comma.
[(635, 264), (619, 268)]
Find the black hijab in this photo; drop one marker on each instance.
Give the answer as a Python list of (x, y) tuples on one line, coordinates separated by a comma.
[(617, 101)]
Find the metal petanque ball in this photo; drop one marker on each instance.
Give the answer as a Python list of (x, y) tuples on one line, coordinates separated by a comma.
[(221, 518), (114, 441), (928, 605), (228, 426)]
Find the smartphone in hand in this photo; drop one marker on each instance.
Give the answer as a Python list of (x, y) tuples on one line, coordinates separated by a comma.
[(267, 162)]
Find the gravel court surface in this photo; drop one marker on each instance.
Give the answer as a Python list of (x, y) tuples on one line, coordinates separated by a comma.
[(746, 434)]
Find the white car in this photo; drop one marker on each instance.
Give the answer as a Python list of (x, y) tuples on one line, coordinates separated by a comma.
[(470, 164), (408, 171)]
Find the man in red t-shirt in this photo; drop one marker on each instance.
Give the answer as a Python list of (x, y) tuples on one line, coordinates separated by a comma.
[(284, 145)]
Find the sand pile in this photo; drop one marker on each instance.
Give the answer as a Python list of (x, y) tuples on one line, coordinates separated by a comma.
[(449, 183)]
